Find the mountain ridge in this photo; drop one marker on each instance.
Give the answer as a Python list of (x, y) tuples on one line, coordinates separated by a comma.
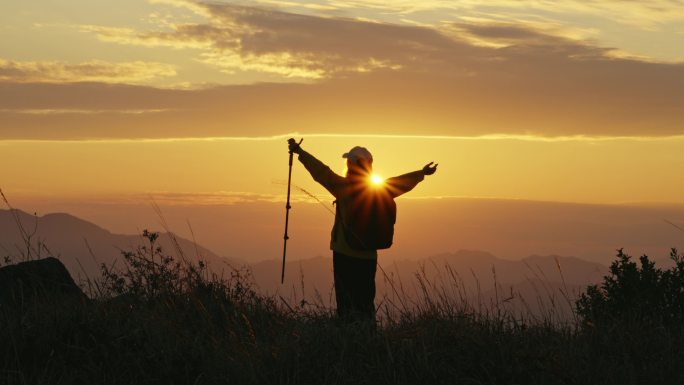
[(83, 246), (478, 275)]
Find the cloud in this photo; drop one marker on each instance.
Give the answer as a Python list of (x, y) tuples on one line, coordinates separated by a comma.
[(209, 198), (501, 34), (628, 25), (646, 14), (54, 111), (284, 137), (129, 36), (265, 40), (90, 71), (372, 78), (240, 38)]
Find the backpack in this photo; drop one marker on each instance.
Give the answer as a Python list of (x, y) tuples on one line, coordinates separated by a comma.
[(368, 218)]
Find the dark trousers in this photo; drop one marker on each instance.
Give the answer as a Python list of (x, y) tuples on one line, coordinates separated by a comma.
[(354, 287)]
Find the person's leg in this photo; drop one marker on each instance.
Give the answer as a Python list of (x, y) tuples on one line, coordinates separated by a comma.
[(354, 287), (343, 273), (365, 295)]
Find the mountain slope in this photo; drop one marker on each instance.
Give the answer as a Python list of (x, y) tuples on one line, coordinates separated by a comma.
[(534, 285), (83, 246)]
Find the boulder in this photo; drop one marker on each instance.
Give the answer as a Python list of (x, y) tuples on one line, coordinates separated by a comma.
[(37, 281)]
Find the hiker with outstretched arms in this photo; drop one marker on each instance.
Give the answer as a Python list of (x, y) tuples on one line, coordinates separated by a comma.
[(364, 222)]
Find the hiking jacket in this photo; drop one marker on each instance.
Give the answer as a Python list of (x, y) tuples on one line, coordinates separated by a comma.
[(339, 187)]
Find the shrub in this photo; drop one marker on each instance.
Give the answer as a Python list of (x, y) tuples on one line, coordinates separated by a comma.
[(640, 293)]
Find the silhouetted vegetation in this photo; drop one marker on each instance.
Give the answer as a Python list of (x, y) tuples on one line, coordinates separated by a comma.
[(157, 319), (636, 293)]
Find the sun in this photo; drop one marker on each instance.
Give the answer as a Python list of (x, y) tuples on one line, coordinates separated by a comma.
[(376, 179)]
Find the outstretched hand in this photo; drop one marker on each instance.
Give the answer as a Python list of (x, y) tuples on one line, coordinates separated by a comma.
[(429, 169), (293, 146)]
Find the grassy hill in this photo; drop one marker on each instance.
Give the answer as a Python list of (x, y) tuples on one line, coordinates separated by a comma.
[(154, 321)]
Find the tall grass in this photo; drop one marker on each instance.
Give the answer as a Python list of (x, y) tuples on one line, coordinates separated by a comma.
[(161, 320)]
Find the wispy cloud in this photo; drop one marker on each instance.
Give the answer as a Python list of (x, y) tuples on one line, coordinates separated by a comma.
[(207, 198), (184, 36), (90, 71), (283, 137), (293, 45), (646, 14), (241, 197), (604, 22), (58, 111), (239, 38)]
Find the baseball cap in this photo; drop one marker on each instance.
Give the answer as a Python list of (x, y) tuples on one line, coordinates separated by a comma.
[(357, 153)]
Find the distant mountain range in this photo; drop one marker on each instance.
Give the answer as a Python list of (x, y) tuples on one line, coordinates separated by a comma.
[(534, 284), (508, 228), (83, 246)]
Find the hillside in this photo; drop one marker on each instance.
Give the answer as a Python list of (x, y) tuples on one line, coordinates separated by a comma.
[(530, 285), (83, 246), (204, 330)]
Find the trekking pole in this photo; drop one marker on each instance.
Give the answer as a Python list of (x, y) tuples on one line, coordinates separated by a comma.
[(287, 214)]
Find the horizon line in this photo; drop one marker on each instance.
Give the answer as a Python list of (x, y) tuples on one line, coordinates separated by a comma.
[(243, 197), (265, 138)]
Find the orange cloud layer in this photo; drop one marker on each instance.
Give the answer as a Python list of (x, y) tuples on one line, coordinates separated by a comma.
[(374, 78)]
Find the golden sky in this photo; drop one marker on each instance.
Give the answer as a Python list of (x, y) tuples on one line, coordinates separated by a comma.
[(191, 101)]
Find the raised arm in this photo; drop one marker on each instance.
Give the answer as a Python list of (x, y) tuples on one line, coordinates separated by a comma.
[(318, 170), (404, 183)]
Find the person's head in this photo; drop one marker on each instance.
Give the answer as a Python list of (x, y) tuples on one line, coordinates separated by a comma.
[(359, 162)]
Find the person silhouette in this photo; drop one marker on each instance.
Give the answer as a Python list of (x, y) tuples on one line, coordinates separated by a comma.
[(354, 264)]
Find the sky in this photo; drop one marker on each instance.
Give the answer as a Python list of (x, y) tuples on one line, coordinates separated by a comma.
[(191, 102)]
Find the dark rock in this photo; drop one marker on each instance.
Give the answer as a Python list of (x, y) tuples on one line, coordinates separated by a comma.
[(37, 281)]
